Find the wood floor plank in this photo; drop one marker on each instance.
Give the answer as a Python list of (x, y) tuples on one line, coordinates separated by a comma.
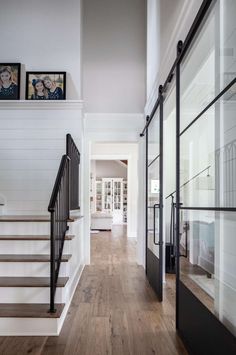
[(28, 345)]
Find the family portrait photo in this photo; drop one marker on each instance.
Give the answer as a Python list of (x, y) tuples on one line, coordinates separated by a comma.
[(9, 81), (46, 85)]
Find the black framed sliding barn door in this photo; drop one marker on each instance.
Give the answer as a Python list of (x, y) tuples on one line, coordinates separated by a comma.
[(154, 205)]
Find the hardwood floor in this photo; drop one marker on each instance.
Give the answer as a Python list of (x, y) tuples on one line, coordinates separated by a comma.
[(114, 310)]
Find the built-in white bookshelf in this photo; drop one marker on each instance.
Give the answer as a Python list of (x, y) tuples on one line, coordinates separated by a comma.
[(111, 197), (125, 200)]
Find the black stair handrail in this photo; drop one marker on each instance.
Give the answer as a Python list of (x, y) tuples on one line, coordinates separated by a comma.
[(74, 155), (59, 208)]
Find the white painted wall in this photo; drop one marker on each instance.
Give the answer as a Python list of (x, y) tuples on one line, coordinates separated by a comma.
[(114, 55), (168, 22), (153, 43), (43, 35)]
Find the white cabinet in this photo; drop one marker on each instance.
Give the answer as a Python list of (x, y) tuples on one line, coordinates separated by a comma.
[(117, 201), (125, 200), (98, 198), (109, 198)]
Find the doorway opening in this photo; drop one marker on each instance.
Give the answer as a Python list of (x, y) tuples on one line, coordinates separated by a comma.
[(108, 193), (115, 199)]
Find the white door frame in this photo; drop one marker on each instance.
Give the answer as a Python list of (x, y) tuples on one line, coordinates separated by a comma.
[(138, 219), (129, 179)]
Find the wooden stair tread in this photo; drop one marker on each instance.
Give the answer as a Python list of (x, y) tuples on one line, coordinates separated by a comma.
[(29, 310), (31, 237), (26, 218), (29, 258), (31, 281), (31, 218)]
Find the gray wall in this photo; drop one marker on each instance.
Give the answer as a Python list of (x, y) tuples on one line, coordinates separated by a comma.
[(169, 13), (110, 168), (114, 55), (43, 35)]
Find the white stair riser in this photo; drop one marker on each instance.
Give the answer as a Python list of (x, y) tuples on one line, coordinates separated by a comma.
[(29, 228), (30, 326), (30, 269), (31, 247), (30, 295), (25, 228)]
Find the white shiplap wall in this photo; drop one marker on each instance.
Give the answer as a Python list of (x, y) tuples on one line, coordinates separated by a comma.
[(32, 141)]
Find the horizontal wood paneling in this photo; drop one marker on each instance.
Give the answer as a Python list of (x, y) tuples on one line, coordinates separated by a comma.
[(25, 143), (36, 184), (20, 195), (32, 142), (27, 205), (28, 124), (39, 134), (31, 174), (40, 164), (36, 154)]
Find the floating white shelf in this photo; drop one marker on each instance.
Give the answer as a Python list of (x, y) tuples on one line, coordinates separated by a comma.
[(41, 105)]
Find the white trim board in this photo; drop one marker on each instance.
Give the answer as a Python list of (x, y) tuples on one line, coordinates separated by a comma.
[(41, 105)]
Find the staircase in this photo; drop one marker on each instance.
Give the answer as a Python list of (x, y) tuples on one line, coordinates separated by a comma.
[(39, 268)]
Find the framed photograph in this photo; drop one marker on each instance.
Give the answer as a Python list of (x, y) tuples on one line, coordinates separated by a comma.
[(45, 85), (10, 81)]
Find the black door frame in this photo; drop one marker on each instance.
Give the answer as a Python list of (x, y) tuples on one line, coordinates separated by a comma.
[(200, 330), (154, 265)]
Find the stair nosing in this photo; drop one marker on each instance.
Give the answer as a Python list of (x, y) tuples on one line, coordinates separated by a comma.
[(31, 237), (26, 282), (33, 258), (27, 310)]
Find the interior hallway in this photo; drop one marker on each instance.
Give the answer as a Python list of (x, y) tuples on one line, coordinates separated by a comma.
[(114, 310)]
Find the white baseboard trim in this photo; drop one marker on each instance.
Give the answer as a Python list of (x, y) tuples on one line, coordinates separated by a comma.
[(75, 281)]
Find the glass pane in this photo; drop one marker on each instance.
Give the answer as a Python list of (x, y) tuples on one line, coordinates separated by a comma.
[(153, 211), (169, 157), (107, 195), (208, 156), (153, 138), (210, 64), (153, 229), (208, 241), (99, 196)]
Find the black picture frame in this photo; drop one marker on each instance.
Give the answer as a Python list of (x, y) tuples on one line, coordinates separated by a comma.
[(58, 78), (13, 92)]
